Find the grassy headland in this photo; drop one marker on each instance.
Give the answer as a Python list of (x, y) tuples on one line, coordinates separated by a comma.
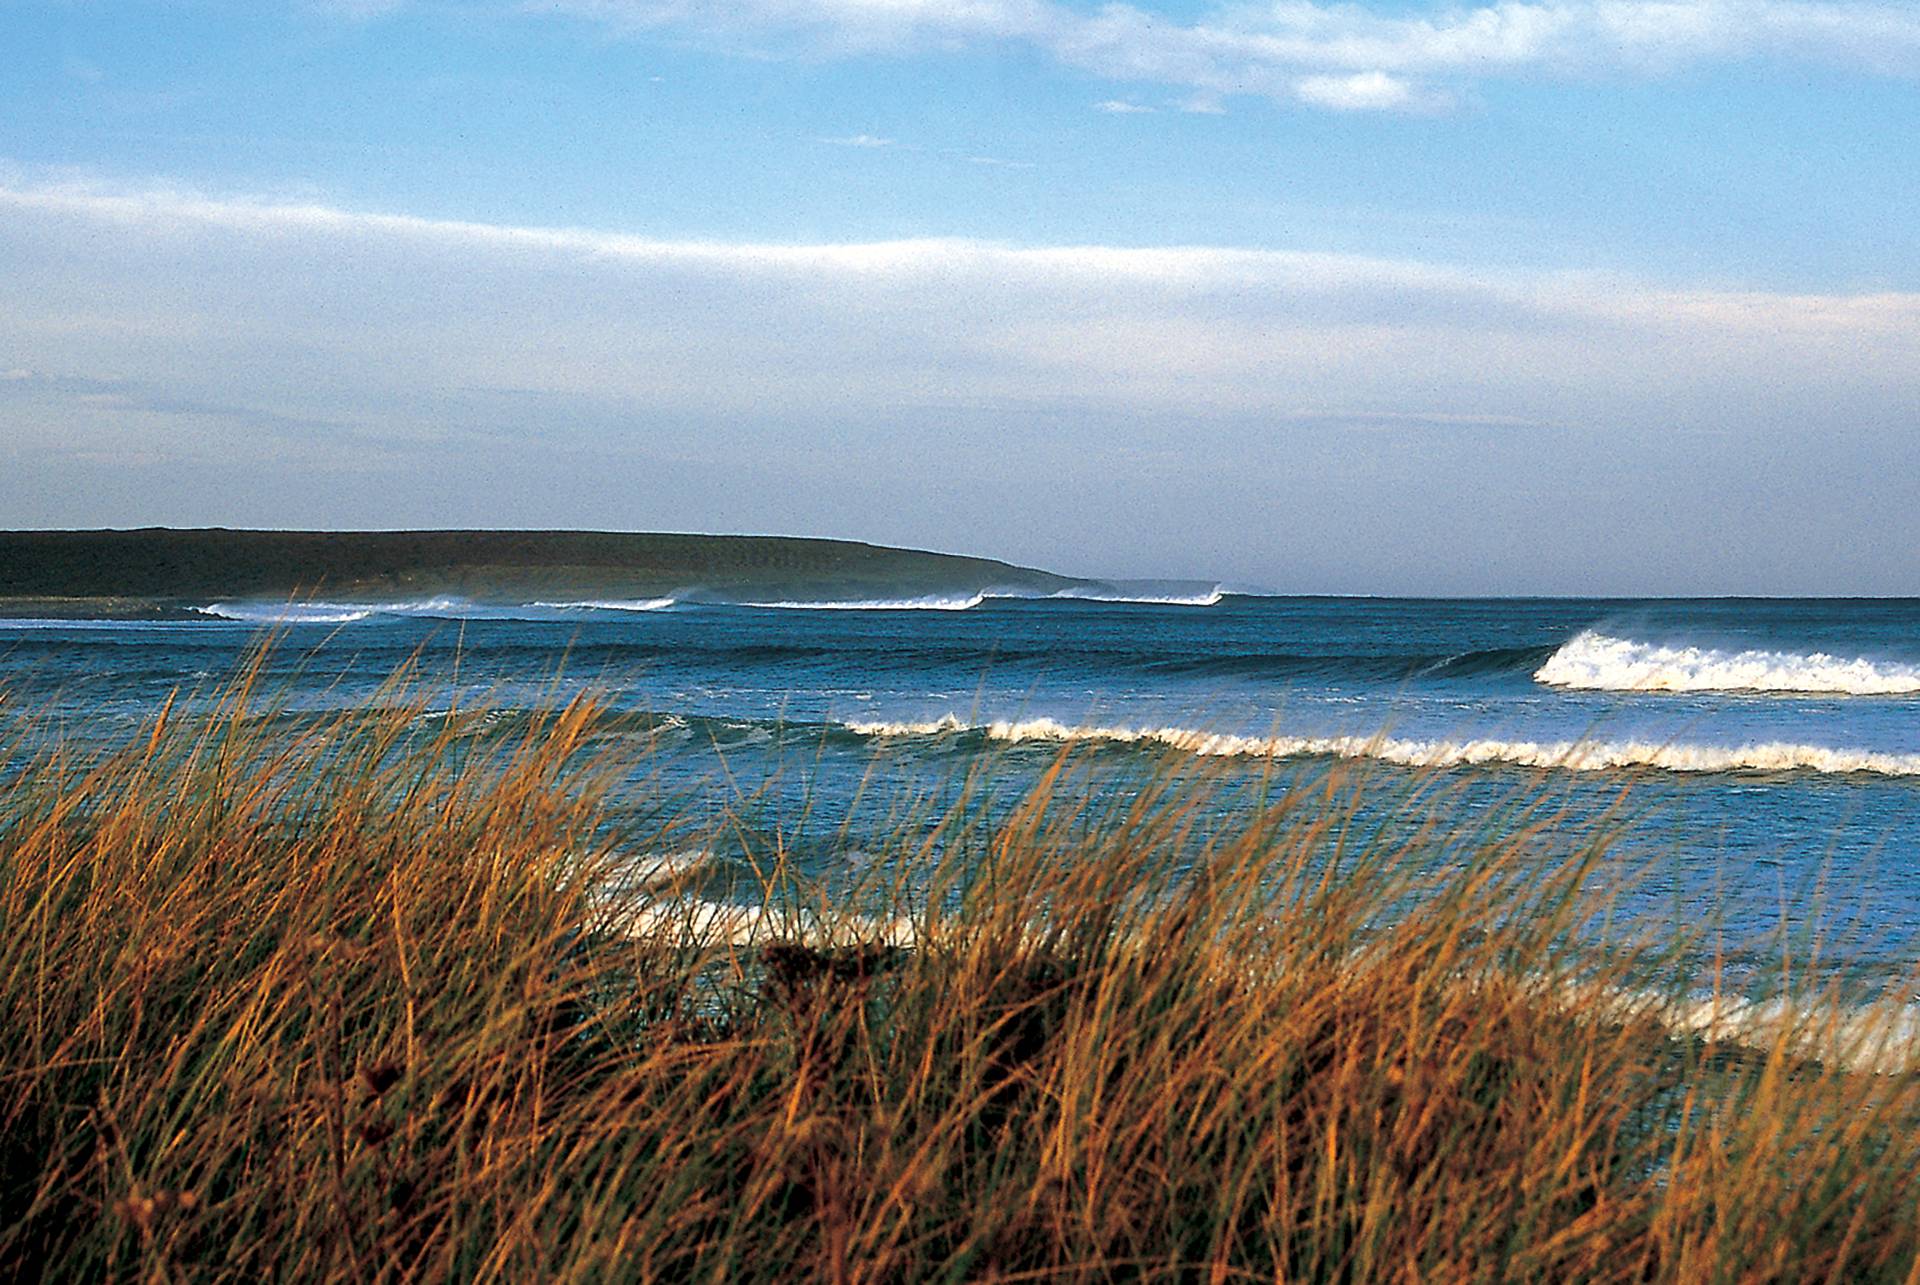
[(155, 571), (343, 1002)]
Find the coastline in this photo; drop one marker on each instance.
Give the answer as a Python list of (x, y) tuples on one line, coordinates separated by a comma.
[(81, 609), (164, 569)]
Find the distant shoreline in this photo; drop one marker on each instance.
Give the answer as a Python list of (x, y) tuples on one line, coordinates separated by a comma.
[(157, 610), (163, 573)]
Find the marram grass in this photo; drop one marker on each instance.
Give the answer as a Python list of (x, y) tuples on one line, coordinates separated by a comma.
[(324, 1000)]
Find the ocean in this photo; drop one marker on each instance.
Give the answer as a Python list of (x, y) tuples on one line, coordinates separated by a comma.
[(1760, 759)]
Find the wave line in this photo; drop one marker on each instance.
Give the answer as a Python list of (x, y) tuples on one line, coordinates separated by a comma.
[(1573, 756), (611, 604), (929, 603)]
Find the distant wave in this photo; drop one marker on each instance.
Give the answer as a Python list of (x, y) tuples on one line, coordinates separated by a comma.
[(319, 613), (611, 604), (1573, 756), (343, 613), (333, 613), (961, 737), (1596, 662), (929, 603), (1209, 598), (966, 602)]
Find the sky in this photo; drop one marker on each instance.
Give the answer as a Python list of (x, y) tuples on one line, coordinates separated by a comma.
[(1388, 296)]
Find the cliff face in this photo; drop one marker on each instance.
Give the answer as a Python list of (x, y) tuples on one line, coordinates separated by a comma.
[(166, 565)]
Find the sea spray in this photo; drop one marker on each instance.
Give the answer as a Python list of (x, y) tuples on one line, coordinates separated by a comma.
[(1595, 661)]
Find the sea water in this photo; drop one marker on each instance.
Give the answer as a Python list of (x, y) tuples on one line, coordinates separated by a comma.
[(1762, 758)]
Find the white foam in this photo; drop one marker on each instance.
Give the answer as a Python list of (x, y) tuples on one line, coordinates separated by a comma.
[(1210, 598), (1143, 598), (1876, 1038), (1596, 662), (290, 613), (611, 604), (938, 727), (1573, 756), (340, 613), (930, 603), (720, 923)]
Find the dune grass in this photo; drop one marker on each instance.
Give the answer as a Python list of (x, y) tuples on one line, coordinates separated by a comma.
[(336, 1000)]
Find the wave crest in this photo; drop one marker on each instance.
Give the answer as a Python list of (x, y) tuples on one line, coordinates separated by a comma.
[(1593, 661), (323, 613), (932, 602), (344, 613), (611, 604), (1210, 598), (1573, 756)]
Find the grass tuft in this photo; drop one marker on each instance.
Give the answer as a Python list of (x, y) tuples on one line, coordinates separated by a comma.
[(337, 998)]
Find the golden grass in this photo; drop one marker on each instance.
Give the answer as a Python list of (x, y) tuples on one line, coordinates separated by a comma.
[(339, 1002)]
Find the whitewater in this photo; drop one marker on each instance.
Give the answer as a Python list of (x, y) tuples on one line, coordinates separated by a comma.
[(1596, 662), (926, 602)]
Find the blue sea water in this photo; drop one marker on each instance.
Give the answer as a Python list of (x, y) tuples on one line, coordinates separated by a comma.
[(1769, 751)]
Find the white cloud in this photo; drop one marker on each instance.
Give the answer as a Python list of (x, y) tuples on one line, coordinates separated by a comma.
[(1201, 105), (845, 26), (860, 140), (322, 303), (165, 222), (1121, 107), (250, 347), (1366, 91), (1347, 56)]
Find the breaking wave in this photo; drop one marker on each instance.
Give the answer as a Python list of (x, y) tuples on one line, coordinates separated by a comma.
[(966, 602), (335, 613), (1572, 756), (324, 613), (346, 613), (1209, 598), (611, 604), (343, 613), (1596, 662), (929, 603)]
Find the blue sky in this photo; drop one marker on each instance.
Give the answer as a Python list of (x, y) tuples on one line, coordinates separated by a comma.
[(1559, 296)]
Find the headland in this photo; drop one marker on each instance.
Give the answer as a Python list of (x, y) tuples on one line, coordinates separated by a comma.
[(161, 572)]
